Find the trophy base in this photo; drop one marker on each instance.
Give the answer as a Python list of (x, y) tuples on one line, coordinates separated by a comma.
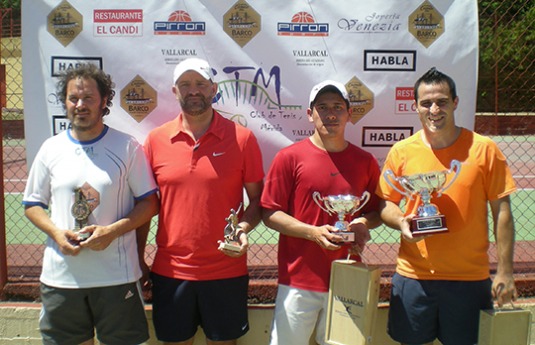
[(428, 225), (347, 236), (229, 246)]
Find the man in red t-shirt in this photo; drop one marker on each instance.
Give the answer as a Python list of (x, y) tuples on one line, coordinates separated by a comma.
[(328, 164), (202, 162)]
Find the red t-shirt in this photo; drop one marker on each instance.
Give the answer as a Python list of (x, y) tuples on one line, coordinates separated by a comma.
[(295, 174), (199, 184)]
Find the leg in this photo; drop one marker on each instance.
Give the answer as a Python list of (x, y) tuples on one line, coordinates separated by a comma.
[(65, 316), (119, 314), (175, 310), (460, 305), (223, 309), (413, 314), (296, 316)]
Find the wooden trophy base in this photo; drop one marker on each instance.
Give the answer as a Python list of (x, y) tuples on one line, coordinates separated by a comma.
[(229, 246), (428, 225)]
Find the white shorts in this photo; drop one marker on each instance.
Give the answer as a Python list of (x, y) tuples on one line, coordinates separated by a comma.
[(297, 313)]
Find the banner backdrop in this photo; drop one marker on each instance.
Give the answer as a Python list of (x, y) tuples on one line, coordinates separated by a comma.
[(266, 55)]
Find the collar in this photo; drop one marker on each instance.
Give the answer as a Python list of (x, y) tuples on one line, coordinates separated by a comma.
[(216, 126)]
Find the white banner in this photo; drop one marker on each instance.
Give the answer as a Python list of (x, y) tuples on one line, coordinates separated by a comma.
[(267, 55)]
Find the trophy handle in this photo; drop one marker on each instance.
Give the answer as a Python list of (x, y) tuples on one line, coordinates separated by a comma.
[(316, 196), (455, 164), (390, 174), (366, 197)]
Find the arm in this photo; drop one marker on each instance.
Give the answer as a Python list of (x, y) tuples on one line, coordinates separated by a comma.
[(252, 215), (361, 227), (290, 226), (66, 239), (142, 233), (102, 236), (503, 286)]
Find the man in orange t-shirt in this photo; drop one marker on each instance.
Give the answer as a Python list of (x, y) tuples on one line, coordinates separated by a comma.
[(442, 280)]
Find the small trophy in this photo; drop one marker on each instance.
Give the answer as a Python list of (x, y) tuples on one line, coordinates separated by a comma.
[(231, 241), (342, 205), (428, 220), (80, 210)]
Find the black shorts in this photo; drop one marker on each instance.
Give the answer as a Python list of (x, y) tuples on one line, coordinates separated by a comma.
[(423, 310), (181, 306), (70, 316)]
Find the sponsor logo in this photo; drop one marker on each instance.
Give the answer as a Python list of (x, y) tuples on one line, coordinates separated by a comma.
[(389, 60), (62, 64), (426, 24), (241, 22), (405, 100), (118, 23), (138, 98), (302, 24), (173, 56), (65, 23), (384, 136), (374, 23), (60, 123), (361, 99), (179, 23)]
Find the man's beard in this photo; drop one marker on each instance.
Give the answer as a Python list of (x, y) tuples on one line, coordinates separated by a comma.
[(197, 107)]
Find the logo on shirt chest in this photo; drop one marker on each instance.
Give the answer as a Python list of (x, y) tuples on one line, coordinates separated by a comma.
[(89, 151)]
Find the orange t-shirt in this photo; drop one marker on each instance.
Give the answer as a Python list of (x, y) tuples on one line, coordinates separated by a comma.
[(461, 253)]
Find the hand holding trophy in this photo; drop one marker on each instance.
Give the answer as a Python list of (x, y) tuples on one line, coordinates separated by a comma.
[(231, 232), (428, 220), (342, 205)]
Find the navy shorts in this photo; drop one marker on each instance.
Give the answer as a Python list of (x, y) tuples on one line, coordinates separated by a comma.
[(181, 306), (423, 310)]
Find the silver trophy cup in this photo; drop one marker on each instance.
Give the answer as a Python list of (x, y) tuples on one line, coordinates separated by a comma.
[(341, 205), (428, 220)]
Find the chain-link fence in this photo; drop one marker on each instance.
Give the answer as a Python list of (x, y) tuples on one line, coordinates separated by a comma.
[(506, 112)]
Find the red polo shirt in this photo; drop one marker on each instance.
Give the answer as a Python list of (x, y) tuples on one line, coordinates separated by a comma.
[(199, 184)]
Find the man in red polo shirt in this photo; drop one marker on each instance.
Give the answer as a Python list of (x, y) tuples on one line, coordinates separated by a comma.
[(202, 162)]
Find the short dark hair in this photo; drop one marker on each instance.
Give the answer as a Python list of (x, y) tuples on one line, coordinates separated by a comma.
[(434, 76), (88, 71)]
